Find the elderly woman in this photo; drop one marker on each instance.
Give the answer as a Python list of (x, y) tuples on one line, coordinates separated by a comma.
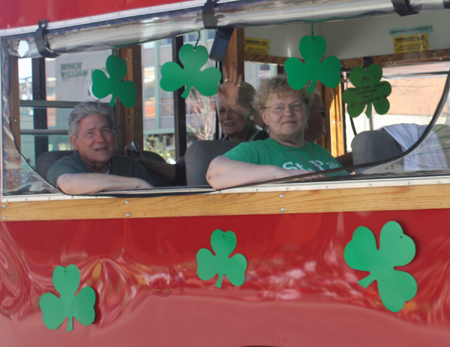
[(285, 153), (237, 118)]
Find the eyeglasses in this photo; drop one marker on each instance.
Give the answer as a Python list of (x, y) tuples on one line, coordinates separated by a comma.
[(279, 109)]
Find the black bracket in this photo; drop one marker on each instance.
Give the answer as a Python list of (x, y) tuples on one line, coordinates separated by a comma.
[(404, 8), (223, 35), (41, 44), (208, 14), (446, 3), (367, 62), (220, 44)]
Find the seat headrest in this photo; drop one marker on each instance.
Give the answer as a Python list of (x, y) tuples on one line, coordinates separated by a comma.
[(374, 145), (198, 157)]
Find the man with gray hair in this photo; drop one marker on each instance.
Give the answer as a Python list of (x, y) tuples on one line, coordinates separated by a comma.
[(93, 166)]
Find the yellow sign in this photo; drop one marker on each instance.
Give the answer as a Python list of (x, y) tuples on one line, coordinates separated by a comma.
[(411, 43), (256, 46)]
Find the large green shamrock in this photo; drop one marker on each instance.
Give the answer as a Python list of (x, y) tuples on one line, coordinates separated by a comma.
[(209, 265), (312, 50), (56, 309), (193, 58), (369, 90), (102, 86), (396, 249)]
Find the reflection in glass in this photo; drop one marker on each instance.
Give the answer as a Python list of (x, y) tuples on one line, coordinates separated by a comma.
[(416, 92)]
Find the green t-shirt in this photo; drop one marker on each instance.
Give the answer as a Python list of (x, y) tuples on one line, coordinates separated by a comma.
[(312, 157), (120, 166)]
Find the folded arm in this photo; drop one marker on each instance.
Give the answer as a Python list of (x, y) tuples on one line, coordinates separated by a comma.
[(91, 183), (224, 173)]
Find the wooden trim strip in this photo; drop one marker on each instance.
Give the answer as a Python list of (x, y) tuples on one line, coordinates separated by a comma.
[(313, 201), (131, 123), (264, 59), (235, 51)]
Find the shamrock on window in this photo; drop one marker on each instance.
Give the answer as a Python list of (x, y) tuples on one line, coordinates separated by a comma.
[(102, 86), (396, 249), (210, 265), (369, 91), (312, 50), (55, 309), (193, 58)]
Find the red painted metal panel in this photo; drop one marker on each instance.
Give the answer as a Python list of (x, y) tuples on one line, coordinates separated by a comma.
[(298, 289), (20, 13)]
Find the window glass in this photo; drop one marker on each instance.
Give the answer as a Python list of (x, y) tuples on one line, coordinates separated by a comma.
[(413, 99), (201, 116), (255, 72), (69, 75), (32, 140), (159, 121), (416, 91), (158, 104), (25, 79), (415, 94), (68, 78)]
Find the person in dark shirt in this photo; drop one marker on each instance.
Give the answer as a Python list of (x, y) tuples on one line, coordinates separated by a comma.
[(94, 167)]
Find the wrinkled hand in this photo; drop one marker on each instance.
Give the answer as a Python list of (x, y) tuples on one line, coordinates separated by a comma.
[(229, 96), (229, 91)]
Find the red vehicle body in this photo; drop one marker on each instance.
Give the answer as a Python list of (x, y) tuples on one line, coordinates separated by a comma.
[(25, 13), (139, 255), (298, 289)]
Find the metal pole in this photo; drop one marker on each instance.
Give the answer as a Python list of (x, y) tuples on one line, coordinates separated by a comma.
[(179, 106), (156, 87), (39, 115)]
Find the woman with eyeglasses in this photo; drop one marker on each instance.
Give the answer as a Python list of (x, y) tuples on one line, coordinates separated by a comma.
[(285, 153)]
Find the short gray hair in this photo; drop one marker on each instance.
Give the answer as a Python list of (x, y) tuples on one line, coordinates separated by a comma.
[(280, 86), (86, 109)]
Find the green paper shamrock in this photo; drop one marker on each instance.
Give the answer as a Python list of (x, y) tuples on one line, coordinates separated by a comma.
[(396, 249), (209, 265), (312, 50), (102, 86), (369, 90), (55, 309), (174, 76)]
